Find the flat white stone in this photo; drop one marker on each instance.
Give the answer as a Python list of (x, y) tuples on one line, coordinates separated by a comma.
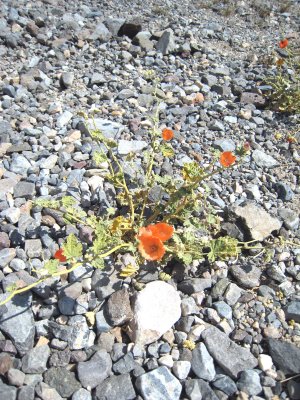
[(156, 308)]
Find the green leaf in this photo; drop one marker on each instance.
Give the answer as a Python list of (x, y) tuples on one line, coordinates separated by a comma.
[(192, 172), (47, 203), (51, 266), (223, 248), (72, 247), (99, 157), (98, 263), (167, 150), (68, 201)]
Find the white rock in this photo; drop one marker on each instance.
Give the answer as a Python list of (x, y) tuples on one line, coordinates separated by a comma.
[(49, 162), (131, 146), (156, 308), (64, 119), (12, 214), (166, 360), (181, 369), (95, 182), (265, 362)]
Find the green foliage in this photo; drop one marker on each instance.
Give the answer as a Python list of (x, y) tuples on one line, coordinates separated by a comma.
[(167, 150), (285, 83), (223, 248), (72, 247), (192, 172), (51, 266), (45, 203)]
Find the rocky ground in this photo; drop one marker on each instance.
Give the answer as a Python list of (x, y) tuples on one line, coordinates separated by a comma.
[(64, 340)]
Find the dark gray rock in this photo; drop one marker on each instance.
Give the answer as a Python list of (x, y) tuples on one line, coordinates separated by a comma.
[(203, 363), (62, 380), (284, 192), (285, 355), (159, 384), (166, 43), (117, 387), (26, 393), (197, 389), (193, 285), (24, 189), (230, 356), (125, 364), (16, 321), (246, 275), (35, 361), (7, 392), (294, 389), (292, 311), (93, 372), (104, 283), (249, 383), (224, 383), (290, 218)]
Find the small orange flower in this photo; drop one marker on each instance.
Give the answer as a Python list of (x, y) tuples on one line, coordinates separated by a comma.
[(283, 43), (227, 159), (59, 255), (151, 248), (167, 134), (161, 230)]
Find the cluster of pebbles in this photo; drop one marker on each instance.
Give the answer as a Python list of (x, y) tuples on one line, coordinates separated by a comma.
[(91, 335)]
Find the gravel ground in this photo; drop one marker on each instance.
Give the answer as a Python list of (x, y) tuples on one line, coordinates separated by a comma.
[(67, 339)]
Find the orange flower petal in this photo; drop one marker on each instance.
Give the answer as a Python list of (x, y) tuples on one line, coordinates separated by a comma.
[(59, 255), (227, 159), (151, 248), (283, 43), (167, 134), (161, 230)]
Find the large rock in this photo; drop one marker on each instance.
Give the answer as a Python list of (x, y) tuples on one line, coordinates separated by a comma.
[(35, 361), (198, 389), (203, 363), (93, 372), (258, 222), (264, 160), (159, 384), (62, 380), (16, 321), (156, 308), (118, 308), (292, 311), (230, 356), (109, 128), (118, 387), (285, 355)]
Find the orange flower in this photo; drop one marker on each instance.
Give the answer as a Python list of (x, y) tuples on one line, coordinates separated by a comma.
[(167, 134), (283, 43), (161, 230), (151, 248), (59, 255), (227, 159)]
